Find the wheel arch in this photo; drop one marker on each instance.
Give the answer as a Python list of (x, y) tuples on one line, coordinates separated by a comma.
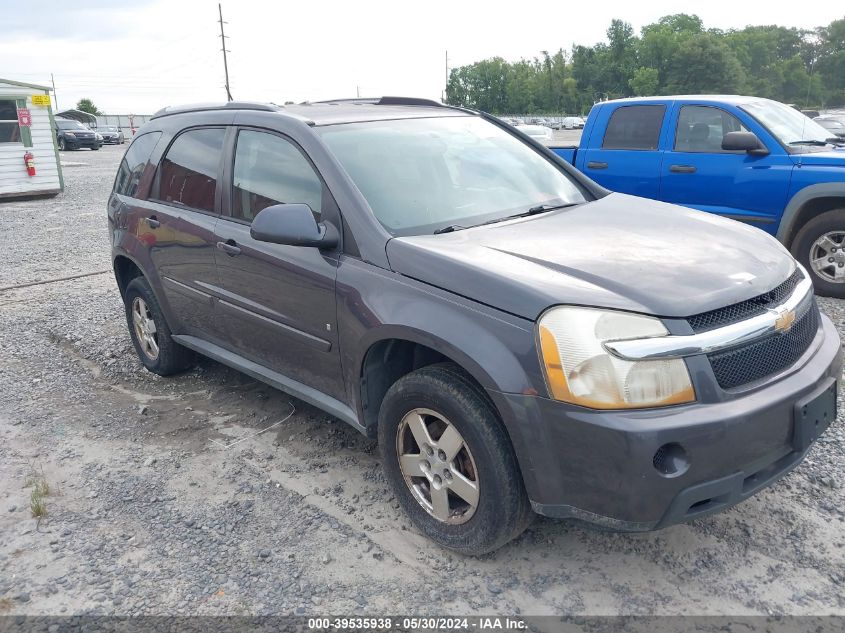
[(125, 270), (808, 203), (395, 352)]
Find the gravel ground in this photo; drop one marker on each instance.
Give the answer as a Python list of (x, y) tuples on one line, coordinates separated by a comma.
[(150, 511)]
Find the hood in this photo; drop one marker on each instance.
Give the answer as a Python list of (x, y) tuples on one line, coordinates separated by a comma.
[(619, 252), (831, 157)]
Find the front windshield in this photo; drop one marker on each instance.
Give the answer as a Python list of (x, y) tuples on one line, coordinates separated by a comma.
[(70, 125), (787, 124), (420, 175)]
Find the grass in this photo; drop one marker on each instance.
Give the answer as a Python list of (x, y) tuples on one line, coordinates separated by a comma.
[(40, 490), (37, 504)]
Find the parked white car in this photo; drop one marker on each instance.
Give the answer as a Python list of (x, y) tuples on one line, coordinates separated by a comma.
[(537, 132), (573, 123)]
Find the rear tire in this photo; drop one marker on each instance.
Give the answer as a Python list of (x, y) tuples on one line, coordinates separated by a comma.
[(150, 333), (483, 467), (819, 241)]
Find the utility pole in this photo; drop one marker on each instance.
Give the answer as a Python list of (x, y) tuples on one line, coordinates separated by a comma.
[(225, 63), (55, 97), (443, 94)]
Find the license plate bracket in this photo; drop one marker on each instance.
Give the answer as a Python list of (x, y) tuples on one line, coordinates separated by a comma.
[(813, 415)]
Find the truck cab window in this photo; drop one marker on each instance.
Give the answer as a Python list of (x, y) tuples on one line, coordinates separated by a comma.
[(634, 127), (701, 128)]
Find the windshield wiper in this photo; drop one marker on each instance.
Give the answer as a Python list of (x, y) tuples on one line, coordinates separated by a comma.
[(450, 229), (540, 208), (813, 142)]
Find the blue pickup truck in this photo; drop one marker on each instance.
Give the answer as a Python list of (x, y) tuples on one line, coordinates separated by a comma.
[(750, 159)]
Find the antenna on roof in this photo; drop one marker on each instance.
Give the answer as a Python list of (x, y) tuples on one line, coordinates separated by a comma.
[(225, 63)]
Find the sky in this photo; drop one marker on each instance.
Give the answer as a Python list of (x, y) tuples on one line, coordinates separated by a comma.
[(136, 57)]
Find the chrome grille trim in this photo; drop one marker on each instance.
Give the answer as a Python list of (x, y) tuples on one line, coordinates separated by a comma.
[(719, 339)]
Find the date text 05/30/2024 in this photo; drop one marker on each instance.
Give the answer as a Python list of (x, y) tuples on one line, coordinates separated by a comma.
[(418, 623)]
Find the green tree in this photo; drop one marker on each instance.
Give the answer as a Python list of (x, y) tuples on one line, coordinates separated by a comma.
[(676, 54), (831, 61), (645, 82), (704, 64), (621, 57), (86, 105), (682, 23)]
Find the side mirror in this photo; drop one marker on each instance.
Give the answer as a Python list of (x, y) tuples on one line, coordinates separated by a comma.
[(293, 225), (743, 142)]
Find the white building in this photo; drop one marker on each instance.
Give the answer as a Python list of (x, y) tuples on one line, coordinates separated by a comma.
[(26, 127)]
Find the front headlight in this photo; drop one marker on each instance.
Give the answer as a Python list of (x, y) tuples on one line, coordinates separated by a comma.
[(70, 134), (579, 370), (99, 136)]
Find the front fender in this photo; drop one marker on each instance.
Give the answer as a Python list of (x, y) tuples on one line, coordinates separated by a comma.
[(374, 305), (801, 197)]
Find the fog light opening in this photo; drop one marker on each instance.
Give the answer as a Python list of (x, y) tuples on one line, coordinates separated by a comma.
[(671, 460)]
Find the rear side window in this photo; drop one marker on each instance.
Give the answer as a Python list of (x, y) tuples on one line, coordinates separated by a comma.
[(634, 127), (271, 170), (188, 172), (134, 163)]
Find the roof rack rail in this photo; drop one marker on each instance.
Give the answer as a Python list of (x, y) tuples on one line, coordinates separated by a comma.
[(410, 101), (229, 105)]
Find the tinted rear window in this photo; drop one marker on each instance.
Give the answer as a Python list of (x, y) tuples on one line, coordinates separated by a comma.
[(133, 164), (188, 173), (634, 127)]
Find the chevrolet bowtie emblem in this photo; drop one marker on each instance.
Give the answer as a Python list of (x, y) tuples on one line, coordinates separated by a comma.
[(785, 319)]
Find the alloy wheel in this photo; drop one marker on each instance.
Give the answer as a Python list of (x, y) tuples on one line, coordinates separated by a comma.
[(437, 466), (827, 256), (145, 328)]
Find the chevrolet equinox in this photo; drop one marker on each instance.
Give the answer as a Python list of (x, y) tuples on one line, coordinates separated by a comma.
[(518, 338)]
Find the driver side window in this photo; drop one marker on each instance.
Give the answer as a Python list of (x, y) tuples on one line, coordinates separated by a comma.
[(701, 128), (271, 170)]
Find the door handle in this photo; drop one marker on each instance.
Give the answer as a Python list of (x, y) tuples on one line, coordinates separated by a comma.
[(153, 222), (682, 169), (595, 164), (230, 247)]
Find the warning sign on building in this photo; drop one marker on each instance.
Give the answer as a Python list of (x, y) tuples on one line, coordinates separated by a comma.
[(24, 117)]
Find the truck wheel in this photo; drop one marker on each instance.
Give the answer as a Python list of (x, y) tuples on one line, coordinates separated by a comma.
[(155, 347), (820, 247), (450, 462)]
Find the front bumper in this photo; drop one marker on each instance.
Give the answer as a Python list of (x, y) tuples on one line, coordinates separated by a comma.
[(77, 143), (598, 466)]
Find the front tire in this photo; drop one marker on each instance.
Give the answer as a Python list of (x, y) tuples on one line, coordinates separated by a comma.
[(150, 333), (820, 247), (450, 462), (62, 145)]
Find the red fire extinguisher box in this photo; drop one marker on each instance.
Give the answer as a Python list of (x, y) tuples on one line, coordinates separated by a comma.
[(29, 161)]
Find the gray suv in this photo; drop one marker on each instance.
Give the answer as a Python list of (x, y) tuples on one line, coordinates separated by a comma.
[(518, 338)]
